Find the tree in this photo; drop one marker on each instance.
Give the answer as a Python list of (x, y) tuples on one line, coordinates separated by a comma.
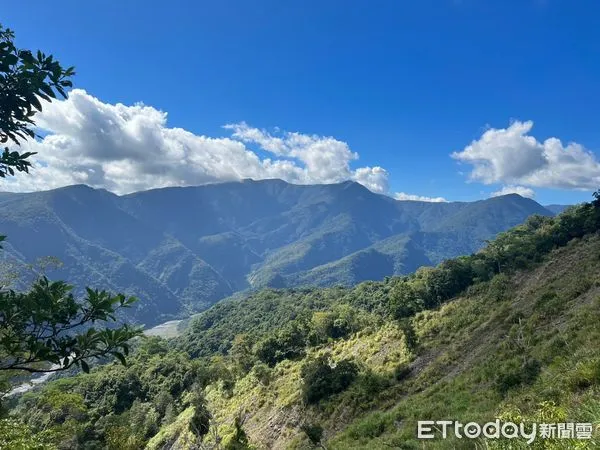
[(15, 434), (288, 343), (46, 329), (25, 78), (239, 440), (200, 421), (495, 251), (267, 351), (410, 336), (321, 379), (405, 301), (44, 326), (241, 353)]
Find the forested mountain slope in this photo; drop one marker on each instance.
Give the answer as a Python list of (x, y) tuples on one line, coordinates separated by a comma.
[(182, 249), (556, 209), (510, 332)]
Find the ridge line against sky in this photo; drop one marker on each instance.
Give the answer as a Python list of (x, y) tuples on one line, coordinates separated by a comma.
[(130, 148), (432, 100)]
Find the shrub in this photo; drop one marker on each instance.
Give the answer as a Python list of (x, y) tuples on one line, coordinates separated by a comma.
[(402, 371), (322, 380), (314, 433), (14, 434), (498, 287), (288, 343), (371, 427), (585, 375), (371, 383), (410, 336), (200, 422), (262, 373), (514, 376)]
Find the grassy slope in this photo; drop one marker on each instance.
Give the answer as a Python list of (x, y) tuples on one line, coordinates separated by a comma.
[(550, 314), (468, 351)]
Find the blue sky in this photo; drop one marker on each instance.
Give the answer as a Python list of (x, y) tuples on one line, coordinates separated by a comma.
[(404, 84)]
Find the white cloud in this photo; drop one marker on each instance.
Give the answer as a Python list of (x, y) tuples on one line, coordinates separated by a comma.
[(374, 178), (512, 156), (521, 190), (326, 159), (130, 148), (418, 198)]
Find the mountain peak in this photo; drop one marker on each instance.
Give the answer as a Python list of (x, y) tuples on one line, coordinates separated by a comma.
[(222, 235), (354, 186)]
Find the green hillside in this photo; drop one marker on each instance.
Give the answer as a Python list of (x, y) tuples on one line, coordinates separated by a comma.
[(510, 332), (180, 250)]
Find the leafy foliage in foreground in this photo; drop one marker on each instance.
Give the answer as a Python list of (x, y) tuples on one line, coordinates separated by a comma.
[(44, 325), (24, 76)]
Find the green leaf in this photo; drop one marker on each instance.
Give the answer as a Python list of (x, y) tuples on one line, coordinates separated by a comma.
[(11, 59), (35, 102), (120, 357), (47, 90)]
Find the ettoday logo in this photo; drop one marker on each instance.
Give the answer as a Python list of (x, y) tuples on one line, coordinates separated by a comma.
[(432, 429)]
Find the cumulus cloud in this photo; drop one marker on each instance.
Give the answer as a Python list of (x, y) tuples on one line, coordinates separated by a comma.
[(325, 159), (418, 198), (374, 178), (130, 148), (512, 156), (521, 190)]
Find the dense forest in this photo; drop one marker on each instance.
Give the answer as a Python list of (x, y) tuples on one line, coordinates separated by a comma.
[(509, 332), (181, 249)]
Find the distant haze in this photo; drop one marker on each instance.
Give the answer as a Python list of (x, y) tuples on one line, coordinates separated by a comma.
[(181, 249)]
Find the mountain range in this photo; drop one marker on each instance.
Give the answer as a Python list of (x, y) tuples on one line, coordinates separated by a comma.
[(182, 249)]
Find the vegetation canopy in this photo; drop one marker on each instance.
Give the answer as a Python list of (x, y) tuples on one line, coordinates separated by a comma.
[(46, 329), (25, 79)]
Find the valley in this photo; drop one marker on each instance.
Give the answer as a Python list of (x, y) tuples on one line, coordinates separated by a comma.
[(507, 333), (180, 250)]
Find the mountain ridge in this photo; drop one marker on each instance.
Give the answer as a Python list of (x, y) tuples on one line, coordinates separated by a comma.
[(180, 249), (508, 334)]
